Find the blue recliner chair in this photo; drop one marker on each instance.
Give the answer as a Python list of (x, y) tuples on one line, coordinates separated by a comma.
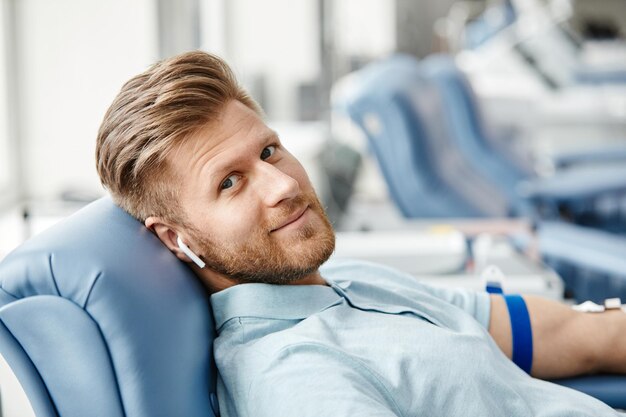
[(374, 99), (98, 319), (576, 194), (423, 125)]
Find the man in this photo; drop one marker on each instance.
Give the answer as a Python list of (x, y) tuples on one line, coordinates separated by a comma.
[(185, 150)]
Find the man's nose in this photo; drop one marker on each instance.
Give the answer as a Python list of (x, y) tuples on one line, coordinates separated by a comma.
[(274, 185)]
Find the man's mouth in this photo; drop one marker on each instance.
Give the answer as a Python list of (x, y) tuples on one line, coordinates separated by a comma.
[(292, 219)]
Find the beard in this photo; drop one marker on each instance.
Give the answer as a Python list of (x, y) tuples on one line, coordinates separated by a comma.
[(265, 258)]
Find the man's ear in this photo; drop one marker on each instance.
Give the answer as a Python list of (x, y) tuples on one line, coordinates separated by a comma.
[(167, 234)]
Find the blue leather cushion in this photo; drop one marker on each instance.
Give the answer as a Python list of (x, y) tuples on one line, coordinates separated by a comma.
[(111, 321)]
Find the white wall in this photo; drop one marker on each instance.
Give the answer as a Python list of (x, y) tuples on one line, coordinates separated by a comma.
[(277, 38), (280, 40), (365, 28), (73, 57), (5, 162)]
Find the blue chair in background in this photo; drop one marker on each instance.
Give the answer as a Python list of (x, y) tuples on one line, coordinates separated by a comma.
[(373, 99), (97, 318), (575, 195), (426, 168), (423, 125)]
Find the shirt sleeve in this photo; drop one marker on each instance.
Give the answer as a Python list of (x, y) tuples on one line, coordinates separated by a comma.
[(312, 380), (475, 303)]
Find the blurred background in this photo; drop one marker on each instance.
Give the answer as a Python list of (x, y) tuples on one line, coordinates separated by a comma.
[(62, 62), (482, 115), (441, 135)]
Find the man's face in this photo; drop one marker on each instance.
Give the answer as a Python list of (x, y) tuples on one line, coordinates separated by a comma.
[(249, 207)]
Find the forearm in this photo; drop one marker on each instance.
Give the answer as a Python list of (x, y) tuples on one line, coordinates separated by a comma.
[(612, 357), (566, 342)]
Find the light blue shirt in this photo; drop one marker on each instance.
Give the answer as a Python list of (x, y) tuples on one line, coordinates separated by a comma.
[(375, 342)]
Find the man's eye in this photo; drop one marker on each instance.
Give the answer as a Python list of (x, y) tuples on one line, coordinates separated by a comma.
[(267, 152), (229, 182)]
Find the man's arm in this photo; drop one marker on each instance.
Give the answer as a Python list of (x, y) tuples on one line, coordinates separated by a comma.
[(565, 342)]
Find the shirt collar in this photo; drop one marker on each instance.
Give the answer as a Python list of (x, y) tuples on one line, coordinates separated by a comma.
[(286, 302)]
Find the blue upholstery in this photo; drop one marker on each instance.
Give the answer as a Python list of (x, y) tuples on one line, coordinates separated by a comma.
[(374, 99), (591, 262), (424, 126), (97, 318), (575, 192), (468, 133), (458, 172), (605, 154), (610, 389), (590, 196)]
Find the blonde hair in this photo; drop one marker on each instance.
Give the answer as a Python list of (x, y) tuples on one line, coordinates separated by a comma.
[(152, 114)]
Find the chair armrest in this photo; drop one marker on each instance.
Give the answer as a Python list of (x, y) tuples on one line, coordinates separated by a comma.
[(575, 185), (604, 154), (610, 389)]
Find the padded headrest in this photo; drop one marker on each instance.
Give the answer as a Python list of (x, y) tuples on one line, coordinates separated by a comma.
[(111, 321)]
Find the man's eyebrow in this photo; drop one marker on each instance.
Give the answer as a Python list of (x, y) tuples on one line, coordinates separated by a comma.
[(269, 136), (219, 167)]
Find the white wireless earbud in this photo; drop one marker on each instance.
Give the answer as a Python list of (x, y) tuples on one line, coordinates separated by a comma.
[(190, 253)]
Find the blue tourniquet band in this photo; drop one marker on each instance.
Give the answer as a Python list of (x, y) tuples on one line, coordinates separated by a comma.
[(521, 331), (494, 288)]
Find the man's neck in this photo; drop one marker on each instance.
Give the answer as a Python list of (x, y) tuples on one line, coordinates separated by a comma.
[(314, 278), (216, 282)]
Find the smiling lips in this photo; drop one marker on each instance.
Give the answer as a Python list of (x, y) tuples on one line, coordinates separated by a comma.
[(291, 219)]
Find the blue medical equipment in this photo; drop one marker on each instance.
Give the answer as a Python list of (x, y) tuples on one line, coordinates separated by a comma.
[(521, 330)]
